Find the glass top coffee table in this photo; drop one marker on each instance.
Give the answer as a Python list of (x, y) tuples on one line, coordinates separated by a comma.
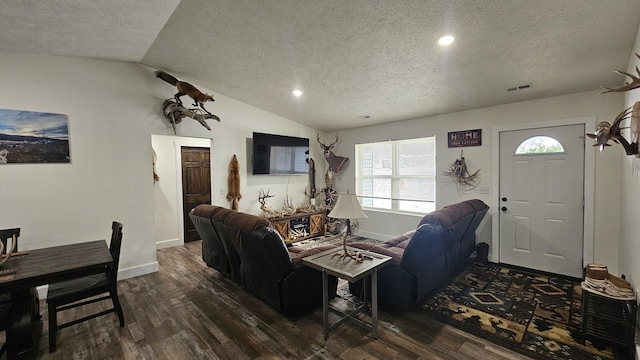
[(351, 270)]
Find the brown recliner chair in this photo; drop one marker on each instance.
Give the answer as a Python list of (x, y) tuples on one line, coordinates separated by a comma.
[(259, 261), (426, 256)]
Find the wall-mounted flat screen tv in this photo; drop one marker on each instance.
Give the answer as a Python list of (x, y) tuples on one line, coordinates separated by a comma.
[(279, 155)]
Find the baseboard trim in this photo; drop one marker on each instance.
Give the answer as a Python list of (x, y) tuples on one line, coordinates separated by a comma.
[(122, 274), (168, 243), (138, 270)]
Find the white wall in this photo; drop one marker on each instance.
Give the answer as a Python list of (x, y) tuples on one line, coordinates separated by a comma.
[(608, 163), (113, 109), (630, 204), (108, 178)]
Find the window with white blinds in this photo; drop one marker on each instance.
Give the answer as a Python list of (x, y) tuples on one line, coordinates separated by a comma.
[(397, 175)]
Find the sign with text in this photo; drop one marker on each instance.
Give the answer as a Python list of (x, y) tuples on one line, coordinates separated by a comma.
[(465, 138)]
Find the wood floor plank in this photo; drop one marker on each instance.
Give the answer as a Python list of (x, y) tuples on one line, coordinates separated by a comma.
[(189, 311)]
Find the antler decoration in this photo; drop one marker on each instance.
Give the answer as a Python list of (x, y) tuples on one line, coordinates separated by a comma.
[(634, 84), (267, 211), (605, 131), (460, 174)]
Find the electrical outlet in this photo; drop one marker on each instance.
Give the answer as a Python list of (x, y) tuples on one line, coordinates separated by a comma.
[(484, 189), (221, 191)]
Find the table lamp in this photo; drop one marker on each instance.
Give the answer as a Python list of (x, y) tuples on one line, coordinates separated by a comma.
[(347, 207)]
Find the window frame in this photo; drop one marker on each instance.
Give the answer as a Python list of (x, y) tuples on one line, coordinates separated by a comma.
[(394, 177)]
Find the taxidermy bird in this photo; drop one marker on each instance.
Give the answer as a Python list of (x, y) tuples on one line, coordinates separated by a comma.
[(184, 88), (233, 183), (605, 132)]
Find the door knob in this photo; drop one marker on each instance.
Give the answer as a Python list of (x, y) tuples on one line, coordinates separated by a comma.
[(504, 208)]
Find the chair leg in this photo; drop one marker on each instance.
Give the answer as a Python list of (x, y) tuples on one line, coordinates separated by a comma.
[(116, 305), (53, 326)]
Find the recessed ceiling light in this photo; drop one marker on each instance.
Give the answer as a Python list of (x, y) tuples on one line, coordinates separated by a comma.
[(297, 92), (446, 40)]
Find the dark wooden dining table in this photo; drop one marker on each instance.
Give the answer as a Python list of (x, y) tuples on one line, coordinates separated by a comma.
[(25, 270)]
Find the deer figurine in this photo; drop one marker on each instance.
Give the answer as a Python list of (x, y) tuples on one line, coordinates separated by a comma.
[(335, 162)]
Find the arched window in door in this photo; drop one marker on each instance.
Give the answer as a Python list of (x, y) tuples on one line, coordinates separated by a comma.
[(540, 145)]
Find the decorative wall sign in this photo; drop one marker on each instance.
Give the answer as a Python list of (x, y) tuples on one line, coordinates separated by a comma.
[(464, 138), (33, 137)]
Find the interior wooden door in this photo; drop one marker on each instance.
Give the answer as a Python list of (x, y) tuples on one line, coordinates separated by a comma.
[(196, 184)]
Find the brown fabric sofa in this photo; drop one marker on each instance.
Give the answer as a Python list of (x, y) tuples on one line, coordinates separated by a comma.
[(246, 249), (426, 256)]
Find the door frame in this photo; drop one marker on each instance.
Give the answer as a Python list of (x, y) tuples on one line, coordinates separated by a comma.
[(589, 122)]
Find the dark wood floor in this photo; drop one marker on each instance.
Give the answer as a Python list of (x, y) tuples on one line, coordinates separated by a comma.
[(187, 311)]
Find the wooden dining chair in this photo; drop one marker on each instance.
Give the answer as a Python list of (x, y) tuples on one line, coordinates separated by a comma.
[(83, 291), (5, 316), (5, 237)]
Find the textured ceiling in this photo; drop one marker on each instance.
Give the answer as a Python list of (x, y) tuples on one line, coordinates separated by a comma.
[(351, 58)]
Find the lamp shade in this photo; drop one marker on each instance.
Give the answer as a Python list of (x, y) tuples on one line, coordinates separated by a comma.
[(347, 207)]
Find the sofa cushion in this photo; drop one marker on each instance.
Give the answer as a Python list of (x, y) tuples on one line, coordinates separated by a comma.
[(204, 211), (220, 213), (296, 254), (448, 215), (245, 222), (395, 246)]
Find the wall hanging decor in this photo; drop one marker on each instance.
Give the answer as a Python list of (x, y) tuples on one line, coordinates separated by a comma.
[(464, 138), (175, 111), (154, 158), (606, 131), (31, 137), (312, 182), (335, 163), (460, 175), (233, 183)]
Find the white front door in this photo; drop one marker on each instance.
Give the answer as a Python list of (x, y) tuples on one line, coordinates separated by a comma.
[(541, 198)]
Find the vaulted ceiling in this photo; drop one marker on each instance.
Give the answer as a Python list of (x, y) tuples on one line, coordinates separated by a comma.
[(358, 62)]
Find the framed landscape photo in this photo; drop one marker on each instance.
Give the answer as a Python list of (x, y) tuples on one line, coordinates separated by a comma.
[(30, 137)]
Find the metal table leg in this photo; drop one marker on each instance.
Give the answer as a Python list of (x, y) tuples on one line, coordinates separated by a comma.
[(374, 303), (325, 304)]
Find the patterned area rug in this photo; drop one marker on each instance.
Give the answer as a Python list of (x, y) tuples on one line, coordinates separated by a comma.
[(537, 315)]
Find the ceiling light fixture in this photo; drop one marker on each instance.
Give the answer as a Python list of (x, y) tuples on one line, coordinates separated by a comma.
[(297, 92), (446, 40)]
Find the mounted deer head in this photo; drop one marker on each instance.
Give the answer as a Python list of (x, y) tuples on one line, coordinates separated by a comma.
[(335, 162)]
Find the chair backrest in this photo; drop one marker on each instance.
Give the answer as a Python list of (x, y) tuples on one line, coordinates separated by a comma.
[(5, 235), (114, 247)]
